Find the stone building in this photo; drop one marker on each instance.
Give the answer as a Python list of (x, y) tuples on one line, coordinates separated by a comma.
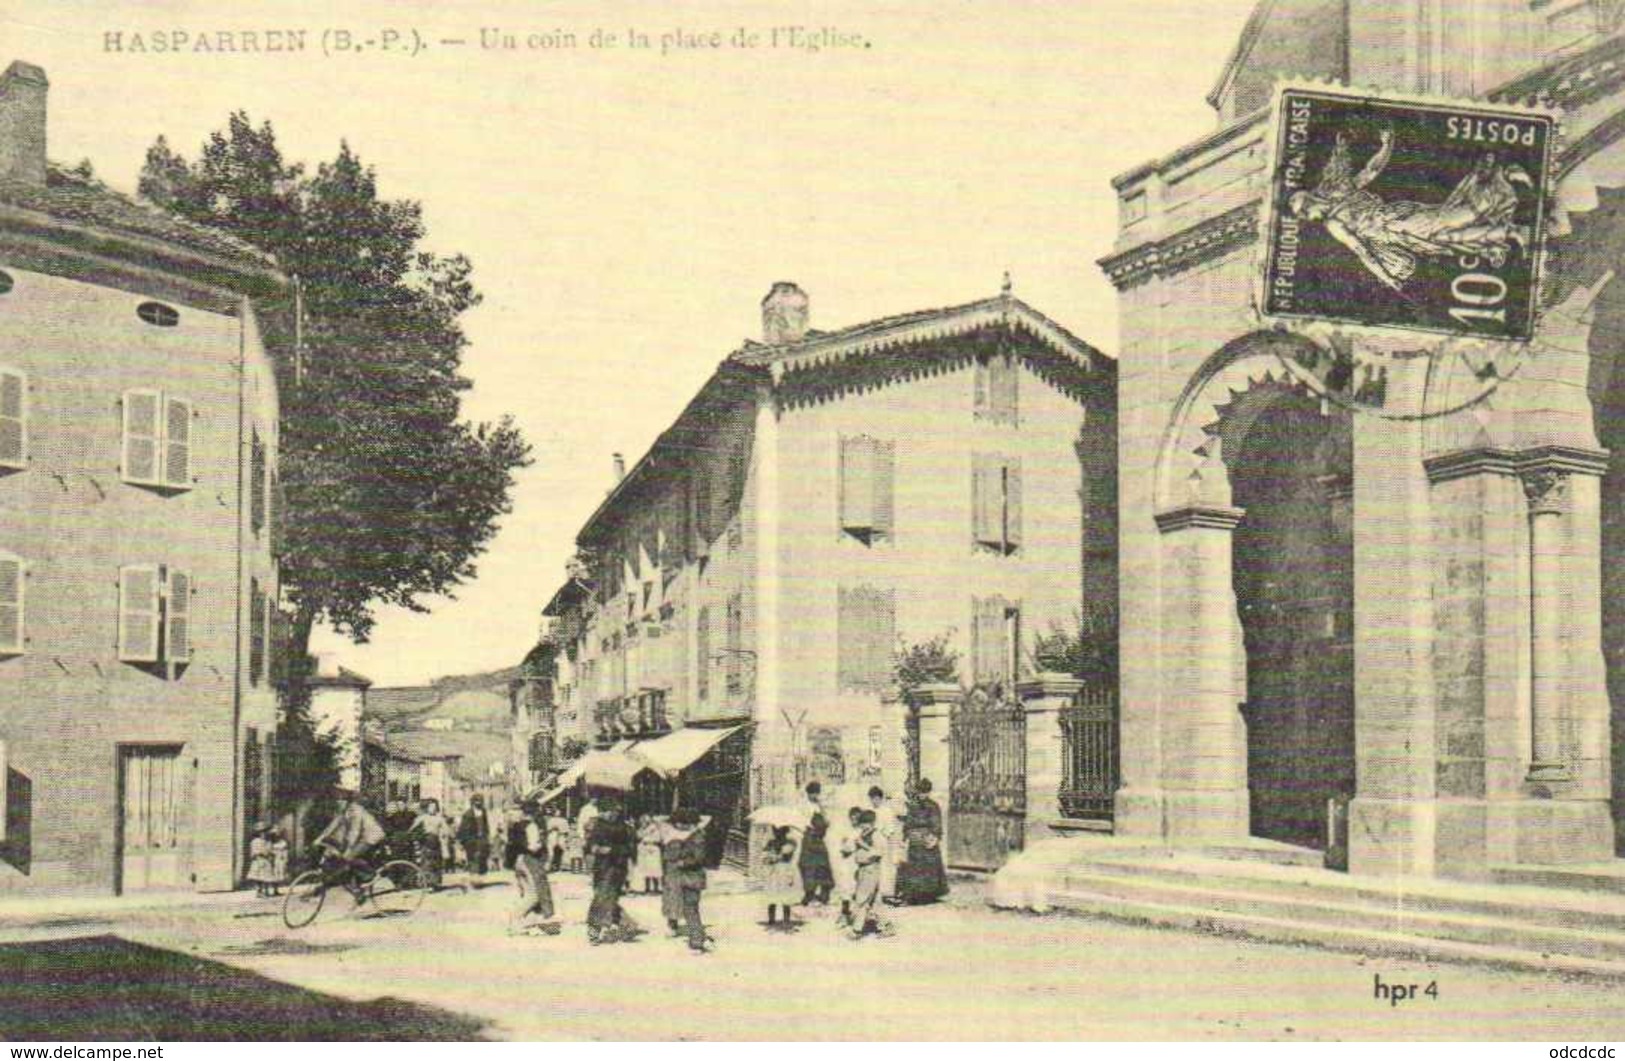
[(138, 440), (1401, 605), (824, 498), (338, 703)]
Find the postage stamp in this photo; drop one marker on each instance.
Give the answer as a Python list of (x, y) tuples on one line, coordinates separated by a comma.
[(1396, 214)]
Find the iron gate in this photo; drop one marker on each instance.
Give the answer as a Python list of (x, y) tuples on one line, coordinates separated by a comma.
[(987, 795), (1089, 755)]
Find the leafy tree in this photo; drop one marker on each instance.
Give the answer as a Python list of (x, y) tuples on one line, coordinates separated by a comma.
[(389, 495), (925, 662)]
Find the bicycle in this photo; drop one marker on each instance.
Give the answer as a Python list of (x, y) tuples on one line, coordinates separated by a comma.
[(393, 889)]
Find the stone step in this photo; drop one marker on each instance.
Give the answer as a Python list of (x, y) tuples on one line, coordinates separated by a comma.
[(1608, 878), (1331, 936), (1533, 907), (1328, 909)]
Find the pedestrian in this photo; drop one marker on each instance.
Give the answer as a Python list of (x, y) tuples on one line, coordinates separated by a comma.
[(817, 879), (781, 880), (866, 854), (649, 868), (279, 860), (584, 822), (685, 869), (430, 832), (534, 912), (474, 834), (847, 878), (575, 849), (261, 861), (610, 846), (889, 840), (921, 878), (558, 832)]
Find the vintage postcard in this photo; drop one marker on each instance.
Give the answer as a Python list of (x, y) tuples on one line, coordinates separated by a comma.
[(761, 522)]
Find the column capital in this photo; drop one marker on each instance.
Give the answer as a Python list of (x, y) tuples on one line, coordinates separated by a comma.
[(933, 693), (1220, 517), (1547, 490), (1462, 463), (1568, 460)]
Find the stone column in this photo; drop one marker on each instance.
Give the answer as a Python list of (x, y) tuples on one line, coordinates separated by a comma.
[(931, 705), (1547, 490), (1042, 699), (1204, 741)]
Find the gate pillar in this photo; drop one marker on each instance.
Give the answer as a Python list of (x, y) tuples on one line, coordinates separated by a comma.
[(930, 705), (1043, 698)]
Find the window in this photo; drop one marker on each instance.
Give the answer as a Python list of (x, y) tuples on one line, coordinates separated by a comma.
[(865, 633), (736, 645), (702, 649), (256, 484), (997, 382), (154, 614), (13, 418), (866, 479), (996, 503), (12, 574), (157, 440), (256, 632), (158, 315), (995, 640)]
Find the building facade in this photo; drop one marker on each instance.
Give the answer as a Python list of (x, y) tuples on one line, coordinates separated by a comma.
[(827, 498), (138, 440), (1374, 601), (338, 704)]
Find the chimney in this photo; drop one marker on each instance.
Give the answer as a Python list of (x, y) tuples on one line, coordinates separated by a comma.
[(620, 468), (784, 314), (22, 123)]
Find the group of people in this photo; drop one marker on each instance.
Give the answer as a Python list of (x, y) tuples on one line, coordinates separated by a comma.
[(436, 844), (268, 860), (883, 857), (668, 854)]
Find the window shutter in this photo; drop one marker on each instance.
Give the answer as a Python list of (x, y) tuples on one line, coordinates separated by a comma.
[(858, 483), (256, 484), (178, 619), (138, 613), (990, 652), (884, 479), (865, 630), (1006, 380), (256, 632), (736, 643), (1012, 503), (13, 418), (178, 442), (983, 387), (986, 499), (141, 436), (11, 608), (702, 650)]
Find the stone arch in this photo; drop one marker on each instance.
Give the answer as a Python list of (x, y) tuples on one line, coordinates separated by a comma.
[(1190, 466)]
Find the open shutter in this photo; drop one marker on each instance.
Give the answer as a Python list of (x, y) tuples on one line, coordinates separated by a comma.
[(178, 442), (11, 609), (884, 480), (178, 618), (990, 650), (13, 418), (702, 650), (256, 632), (984, 388), (986, 502), (141, 436), (1006, 379), (1012, 503), (138, 614), (256, 484), (857, 484)]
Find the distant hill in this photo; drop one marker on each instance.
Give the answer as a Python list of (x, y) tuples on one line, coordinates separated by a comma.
[(460, 701)]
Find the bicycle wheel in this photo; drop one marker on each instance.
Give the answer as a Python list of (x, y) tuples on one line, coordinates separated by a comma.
[(304, 899), (397, 890)]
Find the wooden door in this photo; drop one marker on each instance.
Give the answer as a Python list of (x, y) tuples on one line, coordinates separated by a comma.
[(155, 841)]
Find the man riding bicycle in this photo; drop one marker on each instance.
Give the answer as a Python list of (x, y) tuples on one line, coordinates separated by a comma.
[(345, 845)]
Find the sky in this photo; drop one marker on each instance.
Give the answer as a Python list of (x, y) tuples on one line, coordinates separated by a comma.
[(626, 208)]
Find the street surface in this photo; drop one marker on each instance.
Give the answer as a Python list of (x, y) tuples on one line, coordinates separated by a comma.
[(226, 967)]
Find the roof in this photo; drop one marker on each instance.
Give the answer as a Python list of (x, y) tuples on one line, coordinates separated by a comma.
[(402, 703), (572, 592), (329, 673), (755, 365), (474, 751), (73, 198)]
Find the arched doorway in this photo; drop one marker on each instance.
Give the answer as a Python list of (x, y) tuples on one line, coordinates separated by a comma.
[(1289, 456)]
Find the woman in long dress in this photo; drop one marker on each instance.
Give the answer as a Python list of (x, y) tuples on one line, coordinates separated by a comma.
[(817, 876), (921, 878), (781, 882)]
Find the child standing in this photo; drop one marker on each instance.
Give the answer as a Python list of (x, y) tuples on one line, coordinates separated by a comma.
[(261, 869), (279, 860), (865, 853), (647, 870), (783, 881)]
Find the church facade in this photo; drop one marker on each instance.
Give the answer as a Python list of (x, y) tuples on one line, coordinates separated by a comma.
[(1378, 610)]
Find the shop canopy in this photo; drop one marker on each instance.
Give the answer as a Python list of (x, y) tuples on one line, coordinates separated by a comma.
[(670, 755), (612, 768)]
